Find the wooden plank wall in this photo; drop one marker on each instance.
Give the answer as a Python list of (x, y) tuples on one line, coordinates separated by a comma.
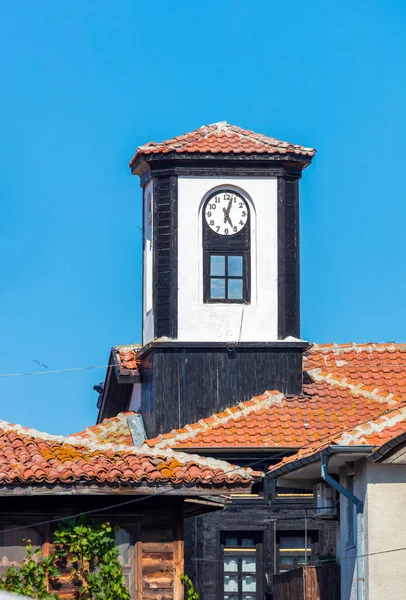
[(312, 583), (289, 585), (161, 558)]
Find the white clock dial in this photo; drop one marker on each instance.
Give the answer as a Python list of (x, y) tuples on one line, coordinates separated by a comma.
[(226, 213)]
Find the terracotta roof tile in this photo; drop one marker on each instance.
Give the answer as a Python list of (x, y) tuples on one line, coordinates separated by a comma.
[(222, 138), (28, 456), (113, 430), (374, 432), (347, 385)]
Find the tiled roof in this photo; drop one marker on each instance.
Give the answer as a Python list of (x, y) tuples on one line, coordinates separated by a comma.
[(380, 366), (126, 356), (114, 430), (222, 138), (332, 401), (28, 457), (375, 432)]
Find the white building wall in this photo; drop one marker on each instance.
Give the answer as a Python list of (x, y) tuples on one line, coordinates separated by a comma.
[(382, 487), (148, 315), (222, 322)]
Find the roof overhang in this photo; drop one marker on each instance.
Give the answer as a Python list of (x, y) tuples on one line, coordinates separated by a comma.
[(305, 472)]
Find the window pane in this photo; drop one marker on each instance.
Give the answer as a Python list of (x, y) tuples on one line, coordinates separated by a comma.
[(247, 542), (249, 583), (217, 265), (292, 542), (231, 541), (235, 266), (249, 564), (230, 564), (235, 289), (231, 583), (218, 288)]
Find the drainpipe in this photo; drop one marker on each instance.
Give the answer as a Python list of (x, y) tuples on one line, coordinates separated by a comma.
[(360, 507)]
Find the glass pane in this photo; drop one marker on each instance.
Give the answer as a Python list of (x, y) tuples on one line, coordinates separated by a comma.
[(218, 288), (247, 542), (234, 266), (249, 564), (248, 597), (217, 265), (249, 583), (231, 541), (286, 561), (292, 542), (230, 564), (231, 583), (235, 289)]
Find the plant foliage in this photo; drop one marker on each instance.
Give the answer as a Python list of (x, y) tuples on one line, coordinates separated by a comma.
[(191, 592), (86, 550)]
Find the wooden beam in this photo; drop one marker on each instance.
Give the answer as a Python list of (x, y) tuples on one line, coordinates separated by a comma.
[(178, 555)]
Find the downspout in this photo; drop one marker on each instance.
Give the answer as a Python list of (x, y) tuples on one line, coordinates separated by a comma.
[(360, 507)]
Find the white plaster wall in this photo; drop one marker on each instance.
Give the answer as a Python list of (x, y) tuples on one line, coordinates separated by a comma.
[(382, 488), (148, 316), (386, 530), (222, 322), (135, 400)]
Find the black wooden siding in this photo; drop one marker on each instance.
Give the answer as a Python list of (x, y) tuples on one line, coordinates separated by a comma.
[(183, 385), (288, 258), (269, 518), (165, 252)]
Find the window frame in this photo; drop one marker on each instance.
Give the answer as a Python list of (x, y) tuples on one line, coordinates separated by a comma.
[(239, 552), (214, 244), (207, 277)]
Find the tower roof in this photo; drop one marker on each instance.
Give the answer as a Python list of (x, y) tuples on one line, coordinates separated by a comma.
[(222, 138)]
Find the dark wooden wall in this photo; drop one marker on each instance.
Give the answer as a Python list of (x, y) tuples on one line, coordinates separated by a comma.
[(270, 516), (181, 385)]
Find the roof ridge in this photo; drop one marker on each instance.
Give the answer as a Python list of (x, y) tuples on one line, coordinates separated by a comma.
[(353, 346), (221, 418), (318, 374), (121, 448), (399, 415)]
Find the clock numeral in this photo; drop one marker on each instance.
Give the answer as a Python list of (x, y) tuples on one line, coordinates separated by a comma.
[(217, 200), (226, 231), (241, 223), (212, 206), (212, 222), (241, 205), (244, 213), (235, 228), (218, 228), (208, 214)]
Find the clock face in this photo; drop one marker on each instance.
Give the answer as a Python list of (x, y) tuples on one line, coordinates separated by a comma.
[(226, 213)]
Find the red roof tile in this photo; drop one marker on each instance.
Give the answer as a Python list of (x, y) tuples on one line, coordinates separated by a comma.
[(114, 430), (381, 366), (126, 356), (222, 138), (348, 385), (28, 456), (374, 432)]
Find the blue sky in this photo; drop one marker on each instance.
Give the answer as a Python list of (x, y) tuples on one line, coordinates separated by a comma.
[(84, 83)]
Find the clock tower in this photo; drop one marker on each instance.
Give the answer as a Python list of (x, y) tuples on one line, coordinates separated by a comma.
[(221, 310)]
